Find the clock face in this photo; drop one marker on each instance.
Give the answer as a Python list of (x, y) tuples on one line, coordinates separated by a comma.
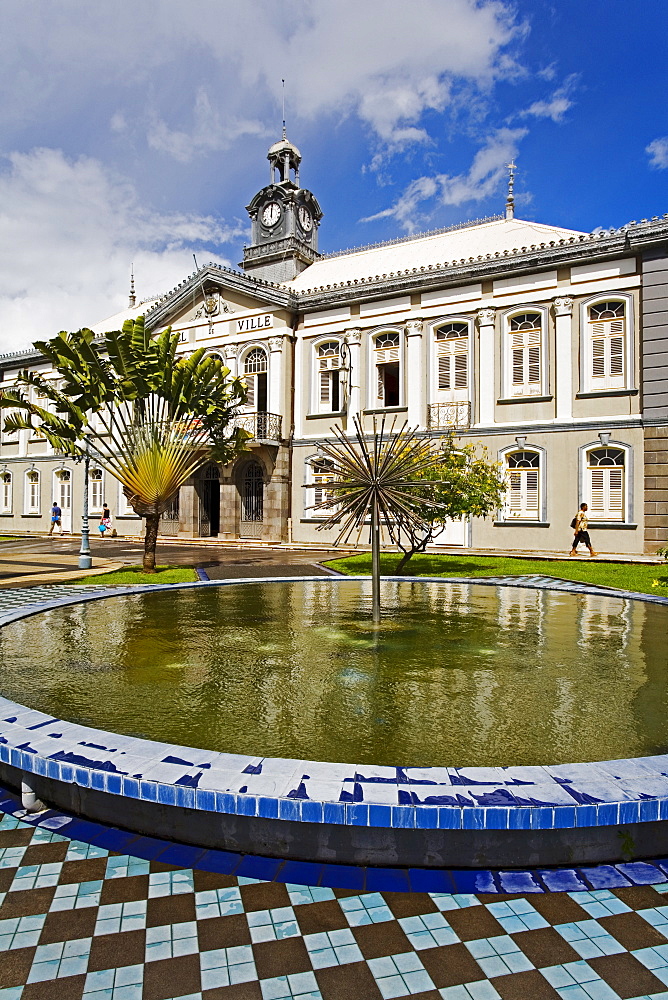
[(271, 213), (305, 220)]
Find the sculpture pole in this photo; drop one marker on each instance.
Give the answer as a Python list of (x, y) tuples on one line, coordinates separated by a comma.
[(375, 561)]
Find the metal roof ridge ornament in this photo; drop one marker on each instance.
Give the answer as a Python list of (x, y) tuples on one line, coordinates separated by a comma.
[(414, 236)]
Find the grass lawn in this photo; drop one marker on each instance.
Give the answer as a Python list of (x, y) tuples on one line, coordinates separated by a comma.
[(133, 574), (626, 576)]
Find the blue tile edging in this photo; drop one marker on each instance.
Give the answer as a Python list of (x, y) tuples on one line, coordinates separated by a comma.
[(601, 793)]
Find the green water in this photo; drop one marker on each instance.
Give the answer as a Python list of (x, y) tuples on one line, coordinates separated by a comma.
[(456, 674)]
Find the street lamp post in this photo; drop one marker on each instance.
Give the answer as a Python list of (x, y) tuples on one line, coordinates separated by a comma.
[(85, 558)]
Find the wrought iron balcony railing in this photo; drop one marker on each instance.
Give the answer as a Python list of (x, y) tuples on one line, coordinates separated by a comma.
[(443, 416), (263, 426)]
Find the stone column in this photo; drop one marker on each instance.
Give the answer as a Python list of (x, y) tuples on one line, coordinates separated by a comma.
[(563, 356), (487, 353), (230, 351), (414, 381), (276, 403), (353, 338)]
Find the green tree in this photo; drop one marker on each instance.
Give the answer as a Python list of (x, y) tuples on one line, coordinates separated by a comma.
[(126, 400), (462, 483)]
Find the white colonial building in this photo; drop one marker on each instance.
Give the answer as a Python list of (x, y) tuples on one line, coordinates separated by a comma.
[(547, 346)]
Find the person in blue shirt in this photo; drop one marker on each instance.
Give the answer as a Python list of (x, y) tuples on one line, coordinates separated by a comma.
[(56, 515)]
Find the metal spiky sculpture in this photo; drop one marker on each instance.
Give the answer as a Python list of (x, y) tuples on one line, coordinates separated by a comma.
[(373, 480)]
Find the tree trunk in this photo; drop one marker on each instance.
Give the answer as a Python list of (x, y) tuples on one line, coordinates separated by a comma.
[(399, 568), (150, 542)]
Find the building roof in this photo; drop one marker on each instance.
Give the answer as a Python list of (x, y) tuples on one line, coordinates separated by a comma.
[(441, 247), (116, 321)]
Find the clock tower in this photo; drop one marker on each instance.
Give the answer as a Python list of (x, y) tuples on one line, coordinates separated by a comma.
[(285, 220)]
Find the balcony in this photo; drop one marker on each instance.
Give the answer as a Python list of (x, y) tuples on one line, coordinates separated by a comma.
[(261, 426), (448, 416)]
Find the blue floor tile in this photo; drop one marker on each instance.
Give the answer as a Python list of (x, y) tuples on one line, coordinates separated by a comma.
[(387, 880), (343, 877)]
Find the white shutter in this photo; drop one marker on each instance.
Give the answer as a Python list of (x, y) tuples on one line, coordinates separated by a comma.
[(606, 493), (453, 363), (522, 495), (250, 390), (325, 387), (526, 362), (607, 353), (385, 354)]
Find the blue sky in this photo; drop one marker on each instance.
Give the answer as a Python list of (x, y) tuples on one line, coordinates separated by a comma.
[(138, 132)]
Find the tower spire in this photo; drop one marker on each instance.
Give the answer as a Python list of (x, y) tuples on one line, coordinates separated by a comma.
[(285, 134), (510, 200), (133, 297)]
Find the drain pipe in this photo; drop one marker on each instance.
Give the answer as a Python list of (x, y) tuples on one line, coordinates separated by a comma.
[(29, 799)]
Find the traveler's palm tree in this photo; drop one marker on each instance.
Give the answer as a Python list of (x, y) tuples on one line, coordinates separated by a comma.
[(147, 417)]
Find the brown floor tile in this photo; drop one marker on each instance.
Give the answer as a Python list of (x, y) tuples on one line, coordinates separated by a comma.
[(90, 870), (172, 977), (242, 991), (473, 922), (68, 925), (111, 951), (170, 909), (45, 854), (345, 893), (212, 880), (409, 904), (26, 902), (451, 965), (223, 932), (316, 917), (557, 907), (497, 897), (264, 896), (348, 982), (525, 986), (6, 878), (626, 975), (16, 838), (378, 940), (640, 897), (545, 947), (281, 958), (632, 931), (69, 988), (158, 866), (124, 890), (15, 966)]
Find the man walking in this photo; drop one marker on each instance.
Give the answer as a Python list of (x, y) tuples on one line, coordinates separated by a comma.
[(579, 523), (56, 519)]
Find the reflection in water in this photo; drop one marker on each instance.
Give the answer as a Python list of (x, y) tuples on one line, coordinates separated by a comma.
[(457, 673)]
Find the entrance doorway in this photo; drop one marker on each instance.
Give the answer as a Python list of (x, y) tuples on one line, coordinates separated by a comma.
[(207, 487), (63, 492), (252, 501)]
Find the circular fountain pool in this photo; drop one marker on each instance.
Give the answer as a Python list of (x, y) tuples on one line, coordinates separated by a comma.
[(456, 674)]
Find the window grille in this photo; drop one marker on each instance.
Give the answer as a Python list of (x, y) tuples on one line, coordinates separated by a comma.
[(6, 482), (608, 338), (523, 500), (525, 331), (605, 475), (252, 506), (452, 352), (96, 480)]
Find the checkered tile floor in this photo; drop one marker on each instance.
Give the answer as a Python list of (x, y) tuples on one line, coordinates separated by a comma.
[(78, 921)]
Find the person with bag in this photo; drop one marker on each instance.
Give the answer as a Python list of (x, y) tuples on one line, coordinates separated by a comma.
[(579, 524), (56, 519), (105, 521)]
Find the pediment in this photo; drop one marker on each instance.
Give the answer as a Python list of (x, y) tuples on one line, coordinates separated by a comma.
[(215, 291)]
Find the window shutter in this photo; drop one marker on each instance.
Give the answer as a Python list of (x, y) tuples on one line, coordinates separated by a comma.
[(526, 361), (325, 387), (522, 495), (250, 386), (381, 383), (461, 372), (616, 494), (453, 363), (607, 351), (443, 371), (531, 493), (617, 355), (385, 354), (515, 494)]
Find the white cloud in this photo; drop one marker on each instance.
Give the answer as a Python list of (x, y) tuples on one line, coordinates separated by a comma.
[(483, 179), (555, 106), (68, 233), (658, 153)]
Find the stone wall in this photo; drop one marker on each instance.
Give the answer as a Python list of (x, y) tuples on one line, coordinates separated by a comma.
[(656, 488)]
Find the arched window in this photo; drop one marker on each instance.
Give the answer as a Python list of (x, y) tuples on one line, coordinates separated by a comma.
[(255, 377), (525, 348), (387, 360), (96, 483), (606, 484), (452, 356), (523, 492), (6, 484), (32, 492), (607, 344), (252, 493), (328, 365)]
